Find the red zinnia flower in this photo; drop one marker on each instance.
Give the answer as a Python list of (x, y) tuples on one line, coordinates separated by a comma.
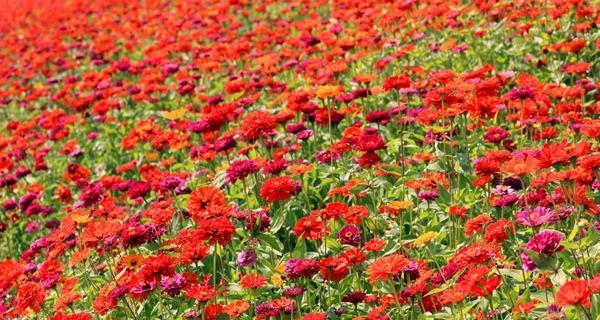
[(375, 245), (475, 225), (218, 229), (498, 231), (310, 228), (335, 210), (154, 268), (279, 188), (253, 281), (203, 199), (396, 82), (356, 214), (334, 268), (201, 292), (574, 292), (30, 296), (370, 143), (314, 316), (354, 256), (457, 211), (257, 123)]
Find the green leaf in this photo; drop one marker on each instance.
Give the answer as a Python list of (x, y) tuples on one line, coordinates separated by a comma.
[(277, 222), (300, 249), (270, 240), (573, 233), (512, 273), (542, 261), (570, 245)]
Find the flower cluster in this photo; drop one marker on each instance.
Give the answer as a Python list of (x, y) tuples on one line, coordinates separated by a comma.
[(349, 159)]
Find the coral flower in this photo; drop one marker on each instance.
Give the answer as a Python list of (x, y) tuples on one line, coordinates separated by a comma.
[(521, 166), (385, 268), (574, 293), (253, 281), (29, 297)]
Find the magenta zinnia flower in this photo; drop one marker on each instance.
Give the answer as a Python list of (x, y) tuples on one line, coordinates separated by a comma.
[(536, 217), (172, 285), (224, 143), (246, 258), (349, 235), (301, 268), (495, 134), (240, 169), (546, 242)]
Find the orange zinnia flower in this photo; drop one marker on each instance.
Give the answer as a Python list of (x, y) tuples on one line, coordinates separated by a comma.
[(328, 91), (521, 166), (384, 268)]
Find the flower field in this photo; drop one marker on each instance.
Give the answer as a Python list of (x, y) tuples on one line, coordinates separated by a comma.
[(340, 159)]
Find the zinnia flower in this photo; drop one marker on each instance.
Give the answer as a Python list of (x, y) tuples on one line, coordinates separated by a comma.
[(384, 268), (253, 281), (536, 217), (279, 188), (309, 228), (257, 123), (240, 169), (334, 268), (301, 268), (172, 285), (246, 258), (349, 235), (573, 293), (328, 91), (495, 134), (546, 242), (425, 238)]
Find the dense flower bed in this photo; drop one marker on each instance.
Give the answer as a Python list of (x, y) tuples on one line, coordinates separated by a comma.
[(344, 159)]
